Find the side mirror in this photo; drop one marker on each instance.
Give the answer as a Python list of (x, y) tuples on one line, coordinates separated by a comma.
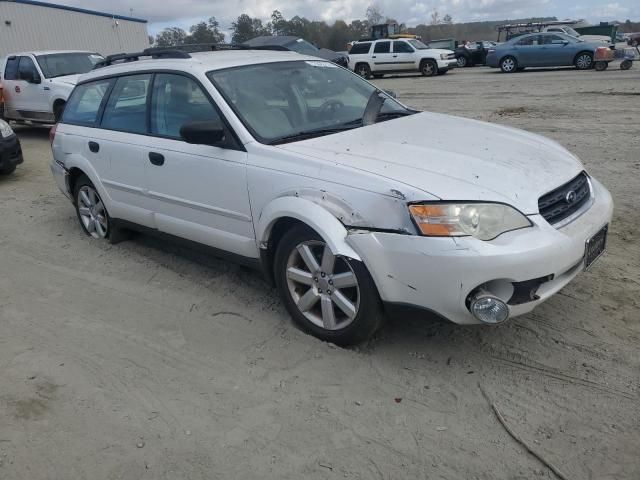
[(565, 42), (203, 133), (391, 93)]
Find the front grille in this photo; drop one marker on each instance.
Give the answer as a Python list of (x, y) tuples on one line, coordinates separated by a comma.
[(451, 56), (565, 200)]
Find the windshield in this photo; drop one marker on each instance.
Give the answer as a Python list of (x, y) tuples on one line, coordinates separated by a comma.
[(302, 46), (278, 101), (59, 64), (418, 44), (571, 31)]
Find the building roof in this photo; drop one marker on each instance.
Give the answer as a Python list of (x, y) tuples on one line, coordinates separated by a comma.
[(76, 9)]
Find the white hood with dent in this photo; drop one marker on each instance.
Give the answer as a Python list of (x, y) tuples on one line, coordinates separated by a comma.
[(452, 158)]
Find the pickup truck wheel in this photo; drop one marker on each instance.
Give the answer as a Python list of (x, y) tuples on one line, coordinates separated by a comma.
[(428, 68), (462, 61), (583, 61), (363, 70), (58, 108), (331, 297), (93, 215), (508, 64)]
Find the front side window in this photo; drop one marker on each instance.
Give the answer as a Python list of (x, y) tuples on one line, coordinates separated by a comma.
[(126, 109), (85, 101), (360, 48), (288, 99), (402, 47), (382, 47), (60, 64), (177, 100), (27, 69), (11, 69)]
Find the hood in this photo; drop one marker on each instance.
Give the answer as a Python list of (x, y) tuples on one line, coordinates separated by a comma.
[(68, 79), (436, 51), (451, 158), (329, 54)]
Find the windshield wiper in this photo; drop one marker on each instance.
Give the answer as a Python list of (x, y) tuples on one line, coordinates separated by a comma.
[(312, 133)]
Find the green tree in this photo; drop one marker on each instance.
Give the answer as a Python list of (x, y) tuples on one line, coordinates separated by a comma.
[(206, 32), (245, 28), (278, 23), (170, 37), (374, 14)]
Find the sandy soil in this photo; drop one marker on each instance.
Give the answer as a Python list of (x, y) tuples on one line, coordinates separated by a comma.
[(146, 361)]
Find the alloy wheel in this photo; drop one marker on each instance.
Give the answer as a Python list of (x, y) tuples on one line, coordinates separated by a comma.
[(508, 64), (583, 62), (462, 62), (92, 212), (428, 69), (323, 286)]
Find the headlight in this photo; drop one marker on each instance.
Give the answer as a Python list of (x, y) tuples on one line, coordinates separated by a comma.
[(484, 221), (444, 56), (5, 129)]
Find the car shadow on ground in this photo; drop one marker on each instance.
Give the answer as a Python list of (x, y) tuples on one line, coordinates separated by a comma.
[(31, 131)]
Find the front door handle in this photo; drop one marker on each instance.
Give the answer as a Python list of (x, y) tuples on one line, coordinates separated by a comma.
[(373, 56), (395, 56), (94, 147), (156, 158)]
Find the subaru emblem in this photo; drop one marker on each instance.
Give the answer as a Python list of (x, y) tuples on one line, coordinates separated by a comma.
[(570, 197)]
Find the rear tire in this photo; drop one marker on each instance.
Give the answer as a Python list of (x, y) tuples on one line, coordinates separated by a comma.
[(583, 61), (331, 297), (363, 70), (626, 65), (92, 213), (8, 171), (428, 68), (508, 64)]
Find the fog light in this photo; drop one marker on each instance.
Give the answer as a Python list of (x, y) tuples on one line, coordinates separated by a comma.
[(488, 309)]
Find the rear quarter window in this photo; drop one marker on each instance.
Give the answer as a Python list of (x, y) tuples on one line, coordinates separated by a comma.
[(85, 103), (360, 48)]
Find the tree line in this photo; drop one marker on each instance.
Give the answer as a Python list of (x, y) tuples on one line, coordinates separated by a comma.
[(340, 33)]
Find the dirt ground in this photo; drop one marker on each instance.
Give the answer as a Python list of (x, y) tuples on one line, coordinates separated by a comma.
[(147, 361)]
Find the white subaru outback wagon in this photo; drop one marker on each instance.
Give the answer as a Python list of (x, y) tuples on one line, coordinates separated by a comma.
[(349, 201)]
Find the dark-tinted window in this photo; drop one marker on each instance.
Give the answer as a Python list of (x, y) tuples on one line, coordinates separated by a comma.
[(84, 104), (360, 48), (528, 41), (402, 47), (178, 100), (11, 69), (27, 69), (127, 106), (382, 47)]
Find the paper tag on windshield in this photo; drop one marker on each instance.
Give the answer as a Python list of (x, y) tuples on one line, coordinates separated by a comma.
[(313, 63)]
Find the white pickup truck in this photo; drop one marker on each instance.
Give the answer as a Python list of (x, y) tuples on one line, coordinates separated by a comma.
[(379, 57), (36, 85)]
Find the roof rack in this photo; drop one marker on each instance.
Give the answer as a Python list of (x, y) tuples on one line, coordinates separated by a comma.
[(179, 51), (154, 53)]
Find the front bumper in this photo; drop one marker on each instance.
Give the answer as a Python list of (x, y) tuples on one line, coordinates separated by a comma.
[(447, 64), (438, 274), (10, 152), (61, 175)]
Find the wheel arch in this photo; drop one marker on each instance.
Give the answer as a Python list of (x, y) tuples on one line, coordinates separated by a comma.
[(78, 166)]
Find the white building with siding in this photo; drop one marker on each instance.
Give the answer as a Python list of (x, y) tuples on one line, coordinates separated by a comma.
[(27, 25)]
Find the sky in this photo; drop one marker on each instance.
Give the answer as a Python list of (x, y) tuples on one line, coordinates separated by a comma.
[(183, 13)]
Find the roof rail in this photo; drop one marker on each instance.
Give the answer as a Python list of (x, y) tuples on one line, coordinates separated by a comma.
[(154, 53)]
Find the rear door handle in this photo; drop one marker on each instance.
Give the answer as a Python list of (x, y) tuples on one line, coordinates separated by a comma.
[(373, 56), (156, 158), (395, 56), (94, 147)]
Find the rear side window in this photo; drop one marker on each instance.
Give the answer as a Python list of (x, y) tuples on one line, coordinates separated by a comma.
[(382, 47), (360, 48), (11, 69), (178, 100), (126, 109), (85, 102)]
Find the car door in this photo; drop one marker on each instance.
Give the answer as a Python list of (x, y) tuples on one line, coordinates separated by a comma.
[(556, 50), (118, 145), (198, 192), (403, 56), (382, 57), (24, 91), (528, 50)]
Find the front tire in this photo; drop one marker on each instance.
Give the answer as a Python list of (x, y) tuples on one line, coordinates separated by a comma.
[(462, 61), (428, 68), (508, 65), (92, 213), (331, 297), (583, 61)]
